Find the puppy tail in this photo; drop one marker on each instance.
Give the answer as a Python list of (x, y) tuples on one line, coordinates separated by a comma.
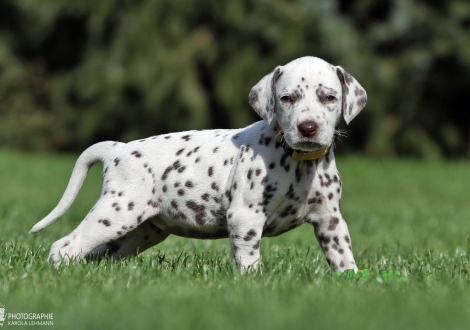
[(95, 153)]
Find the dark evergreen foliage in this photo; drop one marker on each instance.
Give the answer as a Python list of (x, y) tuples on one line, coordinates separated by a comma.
[(76, 72)]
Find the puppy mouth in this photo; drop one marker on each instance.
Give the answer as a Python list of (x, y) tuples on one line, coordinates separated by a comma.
[(299, 143), (307, 146)]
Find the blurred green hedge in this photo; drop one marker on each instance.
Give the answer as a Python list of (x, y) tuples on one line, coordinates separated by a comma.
[(76, 72)]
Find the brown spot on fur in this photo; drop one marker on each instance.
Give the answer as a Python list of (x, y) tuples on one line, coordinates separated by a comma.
[(179, 152), (333, 223), (253, 96), (105, 222)]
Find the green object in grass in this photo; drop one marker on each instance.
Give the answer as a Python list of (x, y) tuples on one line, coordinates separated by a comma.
[(366, 274)]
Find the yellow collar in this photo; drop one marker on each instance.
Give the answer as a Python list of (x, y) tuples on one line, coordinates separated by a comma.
[(299, 155)]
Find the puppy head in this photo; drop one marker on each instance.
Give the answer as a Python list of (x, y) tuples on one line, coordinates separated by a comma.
[(307, 97)]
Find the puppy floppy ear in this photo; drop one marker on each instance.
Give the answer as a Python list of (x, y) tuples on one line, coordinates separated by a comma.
[(354, 95), (262, 97)]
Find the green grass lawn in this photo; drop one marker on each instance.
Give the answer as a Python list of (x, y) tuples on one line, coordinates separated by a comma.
[(403, 215)]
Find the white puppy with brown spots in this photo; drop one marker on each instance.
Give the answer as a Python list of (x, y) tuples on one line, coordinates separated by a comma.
[(244, 184)]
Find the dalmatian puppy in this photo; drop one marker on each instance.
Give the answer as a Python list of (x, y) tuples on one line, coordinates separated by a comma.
[(241, 184)]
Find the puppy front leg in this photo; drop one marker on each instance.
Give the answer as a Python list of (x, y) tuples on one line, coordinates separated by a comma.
[(245, 230), (333, 236)]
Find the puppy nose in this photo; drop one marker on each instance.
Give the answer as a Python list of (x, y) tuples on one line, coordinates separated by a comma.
[(308, 128)]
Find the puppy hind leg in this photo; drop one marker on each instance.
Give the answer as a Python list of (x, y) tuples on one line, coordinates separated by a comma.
[(101, 225), (133, 243)]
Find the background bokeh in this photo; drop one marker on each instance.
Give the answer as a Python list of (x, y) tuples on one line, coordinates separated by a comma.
[(73, 73)]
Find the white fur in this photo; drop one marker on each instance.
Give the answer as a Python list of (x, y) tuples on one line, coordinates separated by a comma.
[(239, 183)]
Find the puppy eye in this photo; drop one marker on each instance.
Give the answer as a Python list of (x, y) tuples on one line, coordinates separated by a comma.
[(286, 98), (329, 99)]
